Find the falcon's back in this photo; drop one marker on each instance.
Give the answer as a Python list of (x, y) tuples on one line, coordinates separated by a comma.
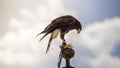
[(59, 22)]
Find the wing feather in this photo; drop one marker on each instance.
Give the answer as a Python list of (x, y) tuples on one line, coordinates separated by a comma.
[(59, 22)]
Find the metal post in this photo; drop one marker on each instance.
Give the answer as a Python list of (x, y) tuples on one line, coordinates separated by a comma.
[(67, 62)]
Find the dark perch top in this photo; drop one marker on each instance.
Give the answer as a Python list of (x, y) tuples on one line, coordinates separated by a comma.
[(67, 53)]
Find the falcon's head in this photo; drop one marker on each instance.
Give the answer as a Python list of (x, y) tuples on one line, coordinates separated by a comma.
[(78, 27)]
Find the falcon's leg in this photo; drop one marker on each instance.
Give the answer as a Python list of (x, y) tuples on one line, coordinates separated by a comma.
[(62, 34), (63, 40)]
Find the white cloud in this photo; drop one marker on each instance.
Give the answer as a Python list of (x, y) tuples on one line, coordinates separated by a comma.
[(19, 48), (95, 43)]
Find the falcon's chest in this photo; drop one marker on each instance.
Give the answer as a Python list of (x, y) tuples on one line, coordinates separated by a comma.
[(55, 33)]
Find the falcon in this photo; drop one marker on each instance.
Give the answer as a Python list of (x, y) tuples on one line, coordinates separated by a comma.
[(61, 25)]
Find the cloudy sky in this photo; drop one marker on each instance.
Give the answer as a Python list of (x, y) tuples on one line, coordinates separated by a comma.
[(97, 46)]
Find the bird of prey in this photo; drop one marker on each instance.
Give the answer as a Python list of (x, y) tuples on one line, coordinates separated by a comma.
[(61, 25)]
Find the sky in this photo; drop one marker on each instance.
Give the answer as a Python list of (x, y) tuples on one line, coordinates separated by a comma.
[(97, 46)]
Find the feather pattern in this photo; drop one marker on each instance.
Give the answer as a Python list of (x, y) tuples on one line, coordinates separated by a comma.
[(61, 25)]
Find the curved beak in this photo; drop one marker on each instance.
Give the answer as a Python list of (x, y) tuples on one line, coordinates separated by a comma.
[(78, 30)]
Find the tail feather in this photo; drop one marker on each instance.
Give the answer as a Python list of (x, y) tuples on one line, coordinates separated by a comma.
[(43, 36), (48, 47), (40, 33)]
